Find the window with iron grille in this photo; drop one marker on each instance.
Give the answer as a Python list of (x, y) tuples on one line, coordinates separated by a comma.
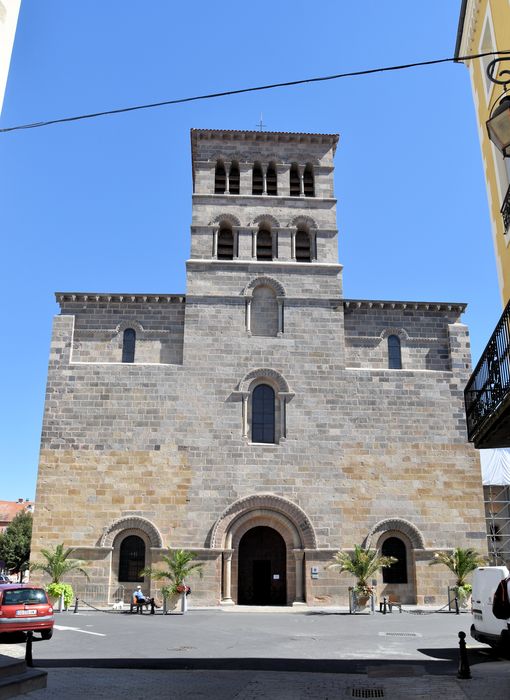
[(131, 558), (128, 345)]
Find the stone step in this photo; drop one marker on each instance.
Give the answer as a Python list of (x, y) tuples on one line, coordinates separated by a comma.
[(16, 678), (31, 679), (11, 667)]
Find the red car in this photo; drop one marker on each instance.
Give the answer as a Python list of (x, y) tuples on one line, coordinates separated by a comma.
[(25, 608)]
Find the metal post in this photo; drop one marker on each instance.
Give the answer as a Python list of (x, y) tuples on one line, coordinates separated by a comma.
[(464, 670), (152, 606), (28, 651), (165, 609), (384, 605), (76, 605), (457, 611)]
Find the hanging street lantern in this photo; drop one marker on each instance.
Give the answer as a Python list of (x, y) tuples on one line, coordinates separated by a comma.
[(498, 124)]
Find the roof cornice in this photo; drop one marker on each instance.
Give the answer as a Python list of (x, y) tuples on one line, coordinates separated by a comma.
[(468, 18), (98, 297), (457, 307)]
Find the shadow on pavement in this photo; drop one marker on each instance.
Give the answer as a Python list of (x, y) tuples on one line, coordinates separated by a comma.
[(446, 665)]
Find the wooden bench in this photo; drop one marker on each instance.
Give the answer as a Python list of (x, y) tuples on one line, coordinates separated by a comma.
[(391, 602)]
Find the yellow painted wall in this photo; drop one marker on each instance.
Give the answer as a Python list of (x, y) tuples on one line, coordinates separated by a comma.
[(487, 28)]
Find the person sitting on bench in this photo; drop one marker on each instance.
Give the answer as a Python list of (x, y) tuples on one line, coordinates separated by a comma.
[(140, 600)]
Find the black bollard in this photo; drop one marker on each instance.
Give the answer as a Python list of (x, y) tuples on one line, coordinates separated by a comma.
[(28, 651), (464, 670), (152, 606), (457, 611), (384, 606), (76, 606)]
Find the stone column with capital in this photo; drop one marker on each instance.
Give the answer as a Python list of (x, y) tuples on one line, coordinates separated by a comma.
[(227, 577), (299, 556)]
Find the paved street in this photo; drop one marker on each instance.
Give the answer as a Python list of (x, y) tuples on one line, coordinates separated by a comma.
[(244, 655)]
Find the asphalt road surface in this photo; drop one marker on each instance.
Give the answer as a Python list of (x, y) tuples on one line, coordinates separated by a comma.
[(309, 640)]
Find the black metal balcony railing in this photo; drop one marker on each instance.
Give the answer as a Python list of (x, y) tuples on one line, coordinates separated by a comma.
[(505, 210), (488, 388)]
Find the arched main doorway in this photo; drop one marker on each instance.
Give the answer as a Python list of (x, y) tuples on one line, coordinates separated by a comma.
[(262, 568)]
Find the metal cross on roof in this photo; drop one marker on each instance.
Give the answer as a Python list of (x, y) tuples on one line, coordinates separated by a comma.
[(261, 124)]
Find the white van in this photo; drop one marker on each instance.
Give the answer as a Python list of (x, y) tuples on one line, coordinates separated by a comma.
[(486, 628)]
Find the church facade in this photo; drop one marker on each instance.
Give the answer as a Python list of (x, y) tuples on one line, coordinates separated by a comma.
[(261, 420)]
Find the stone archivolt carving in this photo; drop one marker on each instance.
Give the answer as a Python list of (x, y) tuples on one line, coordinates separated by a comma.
[(135, 325), (230, 218), (266, 219), (400, 332), (131, 522), (306, 221), (400, 525), (269, 503), (277, 378), (267, 282)]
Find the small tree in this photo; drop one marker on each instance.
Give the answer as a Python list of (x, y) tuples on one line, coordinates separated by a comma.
[(15, 543), (461, 563), (180, 566), (362, 564), (58, 563)]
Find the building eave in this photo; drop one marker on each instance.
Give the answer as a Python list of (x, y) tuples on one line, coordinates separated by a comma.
[(119, 298), (457, 307), (460, 29)]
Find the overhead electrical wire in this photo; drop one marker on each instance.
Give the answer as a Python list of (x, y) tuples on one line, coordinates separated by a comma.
[(226, 93)]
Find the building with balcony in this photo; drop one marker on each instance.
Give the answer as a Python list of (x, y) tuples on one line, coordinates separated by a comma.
[(484, 26)]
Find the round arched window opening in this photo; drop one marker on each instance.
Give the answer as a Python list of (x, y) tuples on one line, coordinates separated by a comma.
[(263, 414)]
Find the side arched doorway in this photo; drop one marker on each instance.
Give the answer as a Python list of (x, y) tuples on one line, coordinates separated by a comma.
[(262, 568)]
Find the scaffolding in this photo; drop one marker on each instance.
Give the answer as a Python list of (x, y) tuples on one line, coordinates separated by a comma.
[(497, 518), (496, 495)]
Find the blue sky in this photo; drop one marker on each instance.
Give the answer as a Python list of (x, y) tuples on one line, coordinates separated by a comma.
[(105, 204)]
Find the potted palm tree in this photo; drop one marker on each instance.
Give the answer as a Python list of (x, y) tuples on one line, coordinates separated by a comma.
[(58, 564), (362, 564), (179, 567), (461, 563)]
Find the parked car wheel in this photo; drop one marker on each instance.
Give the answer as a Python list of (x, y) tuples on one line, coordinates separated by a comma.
[(46, 634)]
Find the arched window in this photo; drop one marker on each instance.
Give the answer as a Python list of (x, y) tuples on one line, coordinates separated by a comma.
[(233, 179), (295, 181), (264, 245), (220, 178), (258, 180), (394, 354), (263, 414), (131, 558), (303, 247), (225, 244), (308, 181), (128, 345), (271, 180), (396, 573)]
